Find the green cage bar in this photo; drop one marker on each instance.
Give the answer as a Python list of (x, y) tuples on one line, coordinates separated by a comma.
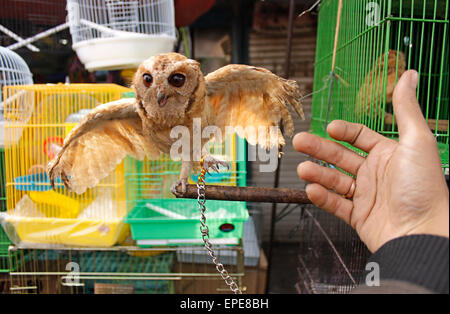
[(6, 265), (378, 40), (4, 241)]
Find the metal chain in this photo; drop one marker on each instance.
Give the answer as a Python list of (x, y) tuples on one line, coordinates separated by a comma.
[(201, 200)]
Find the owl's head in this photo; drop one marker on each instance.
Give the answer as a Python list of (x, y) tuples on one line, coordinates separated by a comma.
[(167, 86)]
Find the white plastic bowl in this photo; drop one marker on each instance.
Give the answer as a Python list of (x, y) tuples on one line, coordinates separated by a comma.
[(122, 52)]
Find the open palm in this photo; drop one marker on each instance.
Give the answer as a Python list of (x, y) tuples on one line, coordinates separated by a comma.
[(399, 187)]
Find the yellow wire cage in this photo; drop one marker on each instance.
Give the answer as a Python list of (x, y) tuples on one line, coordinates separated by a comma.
[(38, 118), (52, 230)]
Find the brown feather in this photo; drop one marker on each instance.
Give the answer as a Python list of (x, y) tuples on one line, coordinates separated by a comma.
[(241, 95), (99, 143)]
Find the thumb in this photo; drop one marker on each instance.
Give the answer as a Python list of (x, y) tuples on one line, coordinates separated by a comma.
[(411, 122)]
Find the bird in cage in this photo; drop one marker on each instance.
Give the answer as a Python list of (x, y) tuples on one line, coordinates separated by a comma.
[(172, 92), (370, 94)]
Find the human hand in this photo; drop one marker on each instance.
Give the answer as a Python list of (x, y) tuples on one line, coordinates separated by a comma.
[(399, 189)]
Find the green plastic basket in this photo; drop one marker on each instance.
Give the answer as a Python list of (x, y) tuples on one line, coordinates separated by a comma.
[(157, 222)]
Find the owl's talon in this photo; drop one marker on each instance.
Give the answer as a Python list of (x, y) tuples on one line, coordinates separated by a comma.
[(51, 176), (212, 163), (65, 179), (52, 183), (174, 187), (54, 172)]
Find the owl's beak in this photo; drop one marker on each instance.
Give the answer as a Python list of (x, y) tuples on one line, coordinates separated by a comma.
[(162, 99)]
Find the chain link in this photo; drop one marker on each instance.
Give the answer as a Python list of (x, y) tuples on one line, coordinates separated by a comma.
[(201, 200)]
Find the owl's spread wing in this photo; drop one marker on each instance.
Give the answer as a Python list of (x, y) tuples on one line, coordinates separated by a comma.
[(98, 144), (247, 96)]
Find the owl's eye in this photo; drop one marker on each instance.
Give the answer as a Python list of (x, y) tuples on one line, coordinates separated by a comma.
[(177, 79), (148, 79)]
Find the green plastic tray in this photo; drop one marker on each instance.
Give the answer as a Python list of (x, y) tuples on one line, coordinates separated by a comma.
[(156, 222)]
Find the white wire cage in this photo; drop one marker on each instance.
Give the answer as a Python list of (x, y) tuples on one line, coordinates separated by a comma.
[(118, 34), (13, 71)]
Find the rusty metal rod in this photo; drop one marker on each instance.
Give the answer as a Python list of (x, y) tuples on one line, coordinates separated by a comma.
[(248, 194)]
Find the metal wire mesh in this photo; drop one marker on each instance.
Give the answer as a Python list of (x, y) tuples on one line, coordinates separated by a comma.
[(13, 71), (86, 271), (123, 15), (119, 270), (378, 40), (331, 256), (200, 274)]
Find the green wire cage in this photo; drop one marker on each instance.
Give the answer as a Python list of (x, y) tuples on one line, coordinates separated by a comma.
[(5, 265), (377, 41), (4, 241)]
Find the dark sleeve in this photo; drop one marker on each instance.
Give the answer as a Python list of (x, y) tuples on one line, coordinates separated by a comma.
[(416, 260)]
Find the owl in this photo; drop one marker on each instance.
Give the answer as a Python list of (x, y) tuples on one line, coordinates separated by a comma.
[(370, 94), (170, 91)]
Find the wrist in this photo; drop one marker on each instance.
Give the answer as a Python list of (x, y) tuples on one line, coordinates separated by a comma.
[(436, 224)]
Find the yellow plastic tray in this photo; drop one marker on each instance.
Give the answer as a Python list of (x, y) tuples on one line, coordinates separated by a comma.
[(67, 231)]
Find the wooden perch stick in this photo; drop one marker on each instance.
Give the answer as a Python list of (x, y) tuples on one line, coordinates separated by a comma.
[(248, 194)]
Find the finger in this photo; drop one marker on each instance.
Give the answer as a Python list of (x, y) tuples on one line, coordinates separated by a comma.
[(410, 120), (330, 178), (355, 134), (330, 201), (328, 151)]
